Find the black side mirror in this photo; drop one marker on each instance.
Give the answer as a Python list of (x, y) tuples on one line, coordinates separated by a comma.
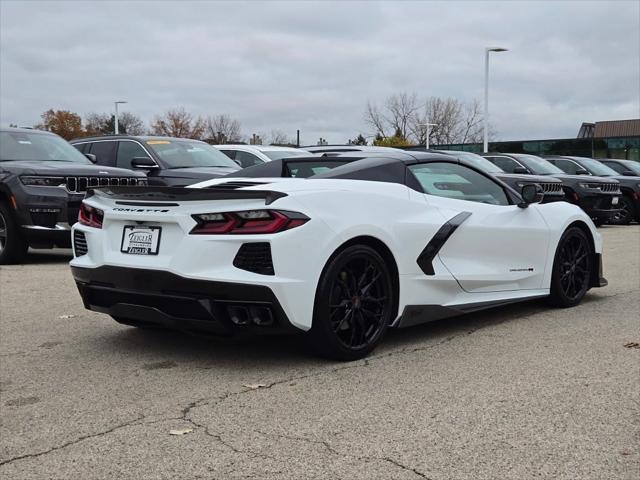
[(581, 171), (520, 170), (92, 158), (531, 193), (143, 163), (629, 173)]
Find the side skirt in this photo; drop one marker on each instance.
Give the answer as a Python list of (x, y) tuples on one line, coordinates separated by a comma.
[(418, 314)]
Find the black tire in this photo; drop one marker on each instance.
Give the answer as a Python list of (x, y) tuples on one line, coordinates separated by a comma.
[(627, 212), (354, 304), (13, 247), (572, 269)]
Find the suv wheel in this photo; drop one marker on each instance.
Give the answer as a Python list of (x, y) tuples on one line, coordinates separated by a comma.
[(13, 247)]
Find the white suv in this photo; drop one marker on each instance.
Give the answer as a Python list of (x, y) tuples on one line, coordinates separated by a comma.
[(249, 155)]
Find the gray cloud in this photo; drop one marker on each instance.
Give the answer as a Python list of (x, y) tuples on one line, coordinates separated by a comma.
[(314, 65)]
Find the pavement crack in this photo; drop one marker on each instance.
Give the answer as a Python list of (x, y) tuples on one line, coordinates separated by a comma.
[(129, 423)]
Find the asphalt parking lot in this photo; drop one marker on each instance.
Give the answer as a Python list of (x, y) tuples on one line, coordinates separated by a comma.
[(516, 393)]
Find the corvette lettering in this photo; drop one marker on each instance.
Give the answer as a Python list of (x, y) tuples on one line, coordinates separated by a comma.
[(141, 210)]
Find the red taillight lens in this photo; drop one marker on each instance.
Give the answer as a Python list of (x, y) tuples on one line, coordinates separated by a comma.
[(247, 222), (90, 216)]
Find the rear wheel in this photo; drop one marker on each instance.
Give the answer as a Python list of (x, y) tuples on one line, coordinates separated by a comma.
[(13, 247), (572, 268), (626, 213), (353, 306)]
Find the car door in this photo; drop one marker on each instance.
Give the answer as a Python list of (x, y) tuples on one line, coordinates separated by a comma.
[(568, 166), (493, 245)]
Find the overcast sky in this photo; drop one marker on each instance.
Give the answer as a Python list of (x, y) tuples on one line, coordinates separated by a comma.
[(314, 65)]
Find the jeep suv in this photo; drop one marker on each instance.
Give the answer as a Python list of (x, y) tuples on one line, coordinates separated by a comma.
[(167, 161), (599, 197), (43, 180)]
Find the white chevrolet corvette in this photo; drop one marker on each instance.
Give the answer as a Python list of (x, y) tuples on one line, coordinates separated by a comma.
[(340, 256)]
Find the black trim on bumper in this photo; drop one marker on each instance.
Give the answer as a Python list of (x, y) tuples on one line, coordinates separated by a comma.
[(156, 297), (597, 278)]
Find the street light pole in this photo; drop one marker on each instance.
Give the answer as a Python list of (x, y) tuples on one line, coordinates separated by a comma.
[(115, 118), (487, 50), (426, 143)]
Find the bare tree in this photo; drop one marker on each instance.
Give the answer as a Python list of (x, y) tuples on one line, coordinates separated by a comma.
[(278, 137), (395, 116), (222, 129), (405, 118), (131, 124), (178, 123), (376, 120)]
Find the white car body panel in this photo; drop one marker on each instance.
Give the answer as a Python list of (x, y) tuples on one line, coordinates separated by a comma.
[(487, 259)]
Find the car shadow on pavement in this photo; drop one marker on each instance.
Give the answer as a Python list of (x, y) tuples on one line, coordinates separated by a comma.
[(57, 255), (273, 352)]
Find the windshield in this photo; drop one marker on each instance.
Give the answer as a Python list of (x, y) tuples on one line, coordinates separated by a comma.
[(537, 165), (631, 165), (28, 146), (478, 161), (189, 153), (597, 168), (278, 154)]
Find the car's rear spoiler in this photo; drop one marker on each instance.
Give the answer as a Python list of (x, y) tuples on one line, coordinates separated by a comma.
[(138, 195)]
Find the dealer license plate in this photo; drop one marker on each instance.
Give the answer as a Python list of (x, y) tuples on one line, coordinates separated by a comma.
[(140, 240), (614, 201)]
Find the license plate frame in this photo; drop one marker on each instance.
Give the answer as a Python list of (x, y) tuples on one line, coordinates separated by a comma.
[(142, 245)]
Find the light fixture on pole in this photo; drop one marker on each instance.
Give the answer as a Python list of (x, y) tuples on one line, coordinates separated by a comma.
[(115, 118), (426, 143), (487, 50)]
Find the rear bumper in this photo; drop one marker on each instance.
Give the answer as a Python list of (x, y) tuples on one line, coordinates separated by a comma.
[(155, 297)]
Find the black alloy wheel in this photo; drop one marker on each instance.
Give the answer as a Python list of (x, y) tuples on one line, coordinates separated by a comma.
[(354, 304), (572, 267), (626, 213)]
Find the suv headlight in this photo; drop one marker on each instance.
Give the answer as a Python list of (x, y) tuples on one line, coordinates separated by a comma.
[(39, 181), (589, 186)]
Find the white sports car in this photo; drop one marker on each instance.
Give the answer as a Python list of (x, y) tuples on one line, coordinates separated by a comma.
[(341, 256)]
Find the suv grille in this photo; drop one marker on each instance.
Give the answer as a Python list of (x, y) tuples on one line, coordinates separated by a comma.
[(79, 244), (236, 184), (551, 188), (255, 257), (80, 184), (609, 187)]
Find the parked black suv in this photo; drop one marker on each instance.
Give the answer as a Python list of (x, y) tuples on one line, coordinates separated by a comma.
[(597, 196), (174, 162), (552, 187), (629, 185), (43, 179), (623, 167)]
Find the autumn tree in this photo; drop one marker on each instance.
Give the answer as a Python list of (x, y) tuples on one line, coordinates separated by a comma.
[(221, 129), (62, 122), (178, 123)]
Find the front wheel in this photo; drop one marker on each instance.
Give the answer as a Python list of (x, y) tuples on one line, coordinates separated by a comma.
[(572, 268), (354, 304), (626, 213)]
